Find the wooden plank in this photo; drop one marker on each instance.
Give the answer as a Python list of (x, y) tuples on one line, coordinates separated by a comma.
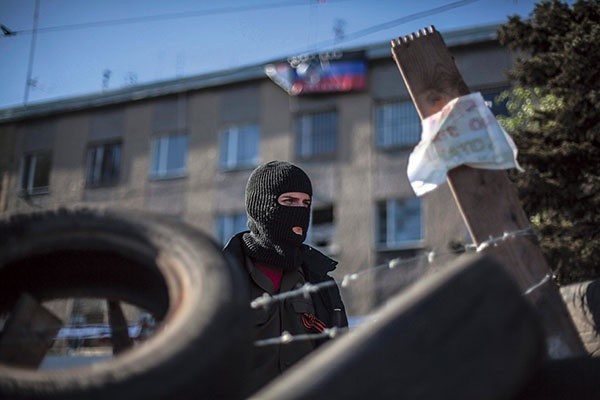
[(463, 333), (28, 333), (119, 329), (487, 199), (3, 192), (572, 378)]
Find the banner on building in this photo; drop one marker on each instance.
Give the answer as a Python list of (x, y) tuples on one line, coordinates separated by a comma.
[(320, 73)]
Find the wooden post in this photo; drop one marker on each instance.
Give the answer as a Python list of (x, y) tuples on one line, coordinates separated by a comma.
[(28, 333), (486, 199), (118, 325), (3, 192)]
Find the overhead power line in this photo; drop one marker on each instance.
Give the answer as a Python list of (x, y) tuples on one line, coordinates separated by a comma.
[(236, 9), (162, 17), (386, 25)]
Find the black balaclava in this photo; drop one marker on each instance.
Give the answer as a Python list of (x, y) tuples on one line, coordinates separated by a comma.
[(271, 239)]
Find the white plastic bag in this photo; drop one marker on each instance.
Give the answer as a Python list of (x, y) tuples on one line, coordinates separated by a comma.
[(464, 132)]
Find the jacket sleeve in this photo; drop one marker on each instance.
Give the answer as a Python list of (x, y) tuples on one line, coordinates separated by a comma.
[(329, 306), (340, 317)]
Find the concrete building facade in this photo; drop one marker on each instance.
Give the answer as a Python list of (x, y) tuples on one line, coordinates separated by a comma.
[(186, 148)]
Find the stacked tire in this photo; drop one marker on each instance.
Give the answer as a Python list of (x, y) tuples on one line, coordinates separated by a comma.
[(175, 272)]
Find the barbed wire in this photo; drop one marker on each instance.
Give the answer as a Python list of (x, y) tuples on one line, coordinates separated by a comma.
[(548, 277), (308, 288), (305, 290), (493, 241), (430, 256), (265, 300), (287, 337)]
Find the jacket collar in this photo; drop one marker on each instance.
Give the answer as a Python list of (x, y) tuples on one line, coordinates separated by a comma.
[(317, 262), (314, 261)]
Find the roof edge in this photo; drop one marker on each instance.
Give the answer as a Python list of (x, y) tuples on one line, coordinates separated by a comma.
[(471, 35)]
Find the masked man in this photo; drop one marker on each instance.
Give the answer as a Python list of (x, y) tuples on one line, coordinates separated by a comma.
[(278, 200)]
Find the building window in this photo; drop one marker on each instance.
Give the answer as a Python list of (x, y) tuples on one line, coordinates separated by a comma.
[(322, 229), (169, 155), (491, 98), (239, 147), (317, 134), (397, 124), (103, 164), (399, 223), (230, 224), (35, 173)]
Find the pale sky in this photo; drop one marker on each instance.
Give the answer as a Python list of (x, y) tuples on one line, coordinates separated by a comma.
[(143, 41)]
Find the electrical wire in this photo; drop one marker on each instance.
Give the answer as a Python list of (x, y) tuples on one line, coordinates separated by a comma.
[(162, 17), (228, 10), (386, 25)]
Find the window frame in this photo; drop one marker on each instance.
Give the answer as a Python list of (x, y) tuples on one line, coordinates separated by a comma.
[(163, 172), (234, 161), (305, 138), (322, 229), (390, 242), (94, 146), (222, 235), (391, 132), (27, 187)]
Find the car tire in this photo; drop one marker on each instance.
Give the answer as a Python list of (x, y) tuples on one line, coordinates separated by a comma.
[(200, 348)]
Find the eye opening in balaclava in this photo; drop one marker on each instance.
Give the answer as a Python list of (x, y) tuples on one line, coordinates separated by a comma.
[(271, 239)]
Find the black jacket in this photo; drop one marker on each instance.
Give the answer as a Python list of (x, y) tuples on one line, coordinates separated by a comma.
[(269, 322), (316, 266)]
